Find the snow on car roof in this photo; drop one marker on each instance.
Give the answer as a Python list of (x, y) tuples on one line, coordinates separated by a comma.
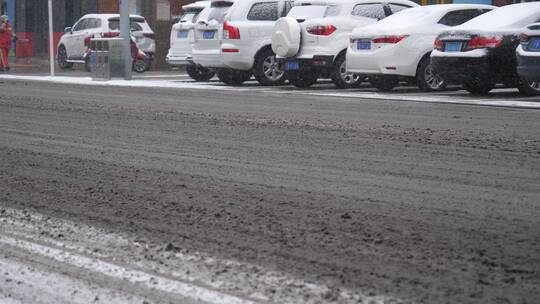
[(349, 2), (198, 4), (514, 16), (107, 16)]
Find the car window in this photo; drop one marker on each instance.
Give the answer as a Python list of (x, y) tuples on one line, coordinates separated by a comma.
[(114, 25), (81, 25), (94, 23), (190, 15), (369, 10), (459, 17), (264, 11), (396, 7), (287, 6)]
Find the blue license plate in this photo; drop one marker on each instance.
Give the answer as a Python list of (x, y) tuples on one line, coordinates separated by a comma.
[(292, 65), (208, 34), (363, 45), (452, 46), (182, 34), (534, 45)]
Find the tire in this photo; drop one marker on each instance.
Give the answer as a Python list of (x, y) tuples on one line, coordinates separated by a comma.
[(199, 73), (478, 87), (266, 69), (529, 87), (233, 77), (140, 66), (62, 59), (384, 84), (427, 80), (341, 78), (87, 65), (303, 79)]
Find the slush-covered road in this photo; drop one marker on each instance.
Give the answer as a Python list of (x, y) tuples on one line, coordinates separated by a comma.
[(347, 198)]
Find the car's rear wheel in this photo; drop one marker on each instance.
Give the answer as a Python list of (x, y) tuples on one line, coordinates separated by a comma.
[(529, 87), (266, 69), (63, 58), (233, 77), (426, 79), (199, 73), (341, 78), (478, 87), (384, 84), (303, 79)]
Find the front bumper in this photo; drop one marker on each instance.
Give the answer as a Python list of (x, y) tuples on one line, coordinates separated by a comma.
[(528, 67)]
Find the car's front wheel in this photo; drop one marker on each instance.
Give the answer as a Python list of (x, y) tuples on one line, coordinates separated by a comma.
[(266, 69), (63, 58), (233, 77), (303, 79), (529, 87), (427, 80), (478, 87), (199, 73), (343, 79)]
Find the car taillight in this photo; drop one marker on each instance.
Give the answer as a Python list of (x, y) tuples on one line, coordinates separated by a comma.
[(87, 40), (321, 30), (481, 42), (230, 32), (110, 34), (438, 44), (389, 39)]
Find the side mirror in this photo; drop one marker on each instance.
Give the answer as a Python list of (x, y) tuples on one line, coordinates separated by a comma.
[(67, 30)]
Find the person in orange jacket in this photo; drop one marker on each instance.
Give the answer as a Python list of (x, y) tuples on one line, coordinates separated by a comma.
[(5, 42)]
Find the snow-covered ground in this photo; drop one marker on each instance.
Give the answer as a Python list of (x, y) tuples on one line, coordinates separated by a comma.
[(499, 97)]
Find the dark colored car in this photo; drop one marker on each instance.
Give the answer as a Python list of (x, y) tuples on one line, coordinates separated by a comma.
[(481, 53)]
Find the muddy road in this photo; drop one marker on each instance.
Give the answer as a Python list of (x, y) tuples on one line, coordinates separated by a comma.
[(415, 202)]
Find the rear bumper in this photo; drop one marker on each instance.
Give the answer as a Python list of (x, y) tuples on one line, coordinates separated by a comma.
[(208, 58), (176, 61), (462, 69), (318, 62), (528, 67), (388, 60)]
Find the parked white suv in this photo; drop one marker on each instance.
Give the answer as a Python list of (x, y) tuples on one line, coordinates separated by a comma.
[(179, 54), (208, 33), (246, 44), (400, 45), (312, 41), (71, 48)]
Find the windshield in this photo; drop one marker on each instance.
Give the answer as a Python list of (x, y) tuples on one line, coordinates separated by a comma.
[(512, 16), (312, 11)]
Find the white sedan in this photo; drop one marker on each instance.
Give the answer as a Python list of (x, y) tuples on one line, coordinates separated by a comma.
[(399, 46)]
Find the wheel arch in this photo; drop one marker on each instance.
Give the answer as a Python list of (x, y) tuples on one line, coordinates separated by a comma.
[(426, 55)]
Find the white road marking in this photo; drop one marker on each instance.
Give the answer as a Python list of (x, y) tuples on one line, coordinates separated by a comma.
[(150, 281)]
